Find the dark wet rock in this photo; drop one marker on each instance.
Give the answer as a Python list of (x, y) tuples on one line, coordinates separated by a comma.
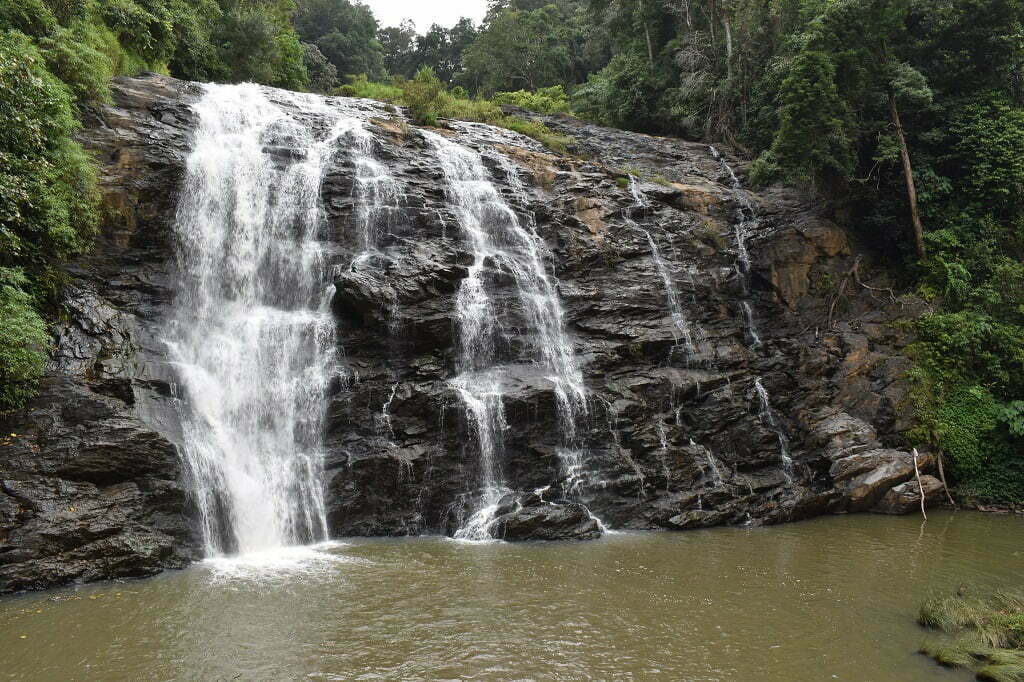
[(529, 517), (90, 480), (906, 497), (866, 477), (674, 437)]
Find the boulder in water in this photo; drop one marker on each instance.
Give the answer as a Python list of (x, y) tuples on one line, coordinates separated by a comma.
[(906, 497), (529, 517)]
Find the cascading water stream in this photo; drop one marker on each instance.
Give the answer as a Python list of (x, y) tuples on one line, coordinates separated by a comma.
[(745, 219), (746, 216), (252, 336), (500, 241), (681, 329), (769, 420)]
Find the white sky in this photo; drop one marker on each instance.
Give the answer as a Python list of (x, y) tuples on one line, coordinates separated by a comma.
[(426, 12)]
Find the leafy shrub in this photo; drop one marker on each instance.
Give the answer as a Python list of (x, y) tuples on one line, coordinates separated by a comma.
[(47, 205), (360, 86), (23, 340), (423, 96), (551, 100)]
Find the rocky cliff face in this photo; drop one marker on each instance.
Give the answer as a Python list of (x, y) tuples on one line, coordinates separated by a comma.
[(783, 399)]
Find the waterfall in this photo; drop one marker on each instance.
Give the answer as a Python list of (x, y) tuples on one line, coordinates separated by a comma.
[(746, 216), (681, 330), (768, 419), (500, 241), (748, 314), (377, 193), (251, 335)]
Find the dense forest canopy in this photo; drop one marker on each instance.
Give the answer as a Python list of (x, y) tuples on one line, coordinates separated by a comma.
[(907, 116)]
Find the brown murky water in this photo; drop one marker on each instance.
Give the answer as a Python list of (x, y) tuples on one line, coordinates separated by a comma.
[(831, 599)]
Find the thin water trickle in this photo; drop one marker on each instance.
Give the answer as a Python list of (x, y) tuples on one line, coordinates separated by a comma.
[(769, 420), (746, 215), (251, 335), (682, 332), (748, 314)]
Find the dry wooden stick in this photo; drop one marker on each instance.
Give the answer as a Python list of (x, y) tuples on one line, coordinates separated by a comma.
[(856, 275), (921, 485)]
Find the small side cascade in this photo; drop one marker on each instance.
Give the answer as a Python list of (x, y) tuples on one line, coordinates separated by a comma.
[(499, 240), (748, 314), (768, 419), (716, 473), (612, 416), (682, 332), (746, 215), (379, 195), (385, 413), (746, 218), (378, 198)]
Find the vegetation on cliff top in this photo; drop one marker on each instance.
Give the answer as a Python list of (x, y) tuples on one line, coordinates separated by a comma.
[(908, 115)]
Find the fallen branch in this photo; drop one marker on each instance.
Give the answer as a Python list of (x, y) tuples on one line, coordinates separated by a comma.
[(839, 293), (856, 276), (920, 486)]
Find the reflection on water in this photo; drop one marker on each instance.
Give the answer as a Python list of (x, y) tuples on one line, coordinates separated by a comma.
[(828, 599)]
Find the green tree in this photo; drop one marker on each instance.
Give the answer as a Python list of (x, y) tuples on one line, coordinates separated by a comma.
[(345, 32), (519, 49)]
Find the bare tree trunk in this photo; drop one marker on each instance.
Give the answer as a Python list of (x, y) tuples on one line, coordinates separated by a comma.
[(908, 175), (945, 486), (728, 46), (647, 34)]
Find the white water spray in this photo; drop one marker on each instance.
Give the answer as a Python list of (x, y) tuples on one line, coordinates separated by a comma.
[(251, 335)]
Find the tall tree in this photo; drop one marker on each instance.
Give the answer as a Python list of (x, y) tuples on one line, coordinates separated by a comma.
[(345, 32)]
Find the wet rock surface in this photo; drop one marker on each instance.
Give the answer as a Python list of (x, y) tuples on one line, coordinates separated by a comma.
[(676, 433), (906, 497), (90, 479), (530, 517)]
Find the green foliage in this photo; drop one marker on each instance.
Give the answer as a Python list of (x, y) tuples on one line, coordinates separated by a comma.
[(625, 94), (551, 100), (428, 101), (47, 206), (536, 130), (360, 86), (257, 43), (519, 49), (811, 141), (346, 34), (1012, 415), (82, 58), (323, 76), (423, 96), (23, 340), (31, 17)]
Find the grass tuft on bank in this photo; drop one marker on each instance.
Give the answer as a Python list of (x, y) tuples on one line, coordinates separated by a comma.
[(984, 635)]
